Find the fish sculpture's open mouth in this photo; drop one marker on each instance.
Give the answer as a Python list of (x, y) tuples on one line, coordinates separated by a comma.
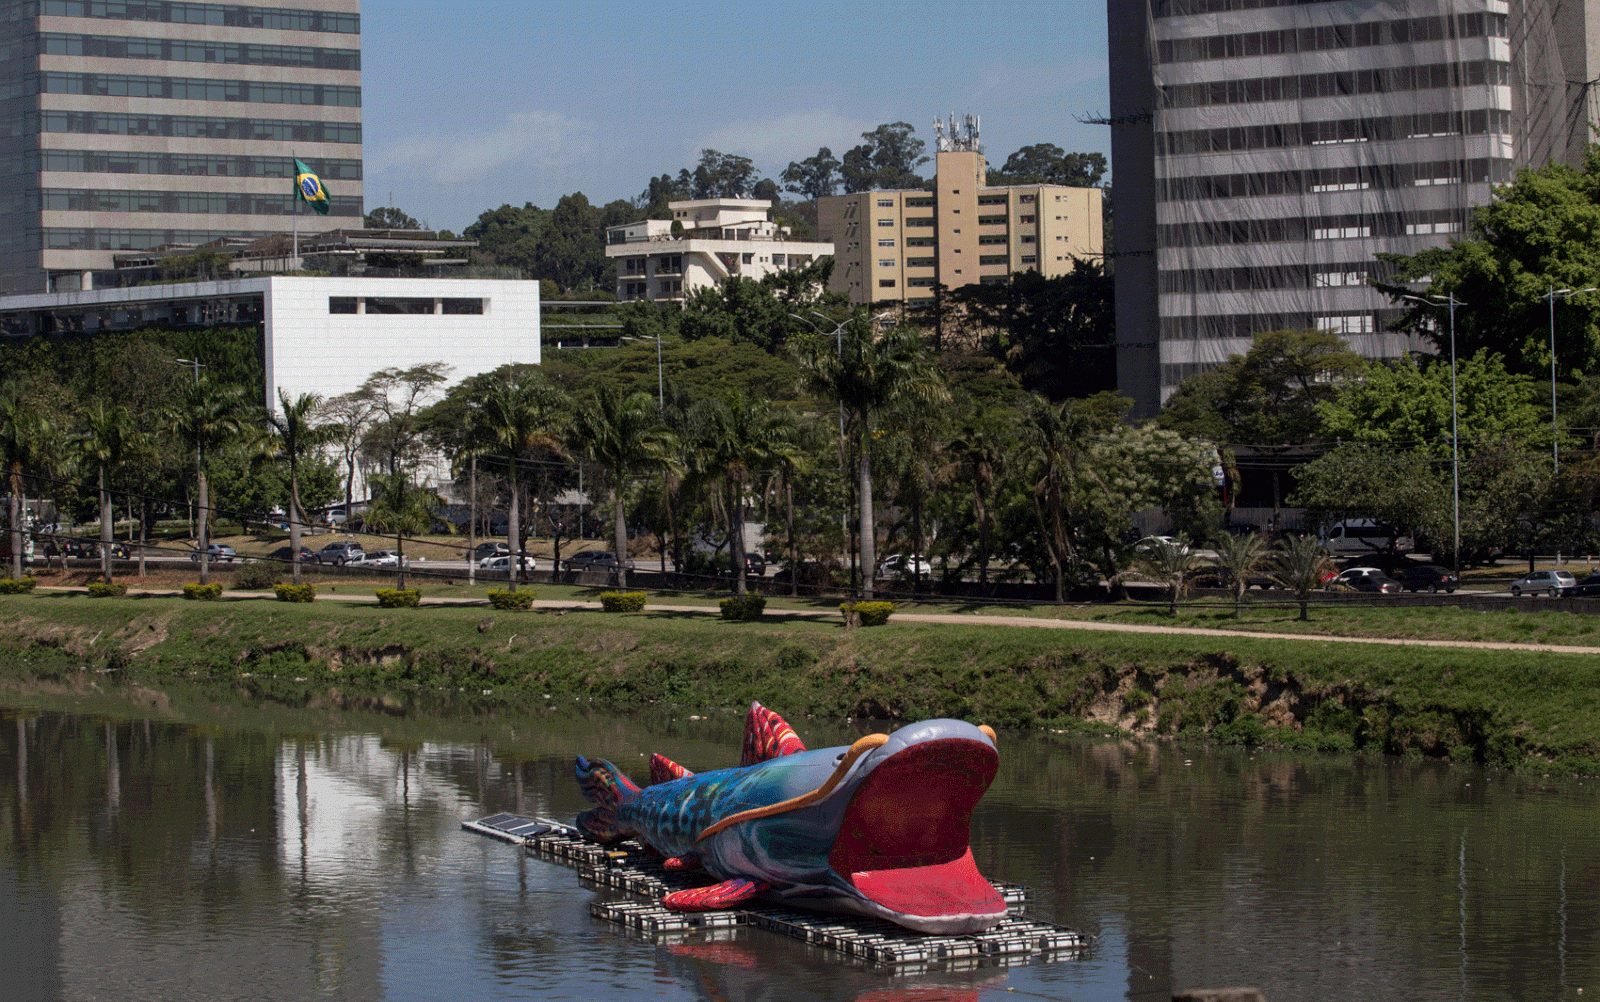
[(904, 842)]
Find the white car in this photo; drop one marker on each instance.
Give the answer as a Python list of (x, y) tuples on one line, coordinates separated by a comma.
[(1349, 574), (382, 558), (902, 564), (1149, 543), (503, 563)]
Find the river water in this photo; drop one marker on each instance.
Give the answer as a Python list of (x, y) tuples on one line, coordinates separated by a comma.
[(195, 845)]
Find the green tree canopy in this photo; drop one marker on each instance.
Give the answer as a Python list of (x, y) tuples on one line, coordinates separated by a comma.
[(1047, 163), (813, 177), (888, 159), (390, 218)]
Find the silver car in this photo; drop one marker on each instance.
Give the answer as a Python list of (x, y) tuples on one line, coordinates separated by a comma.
[(1552, 583)]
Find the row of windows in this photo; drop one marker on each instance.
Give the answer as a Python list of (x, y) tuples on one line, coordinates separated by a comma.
[(411, 305), (1348, 130), (178, 50), (1288, 276), (1180, 8), (276, 18), (1244, 325), (210, 202), (194, 127), (80, 238), (1406, 31), (179, 164), (1343, 227), (1434, 76), (1327, 179), (197, 89)]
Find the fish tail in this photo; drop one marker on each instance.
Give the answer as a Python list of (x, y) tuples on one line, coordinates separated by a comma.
[(603, 785)]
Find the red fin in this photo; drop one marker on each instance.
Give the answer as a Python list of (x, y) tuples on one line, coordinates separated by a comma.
[(664, 770), (766, 736), (682, 864), (709, 899)]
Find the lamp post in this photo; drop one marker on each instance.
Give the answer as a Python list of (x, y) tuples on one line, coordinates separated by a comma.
[(1555, 436), (1455, 430)]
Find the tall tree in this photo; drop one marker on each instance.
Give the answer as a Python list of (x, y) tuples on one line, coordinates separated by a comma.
[(1058, 442), (869, 376), (1047, 163), (26, 435), (888, 159), (623, 435), (1239, 558), (296, 438), (109, 439), (390, 218), (350, 417), (397, 397), (208, 416), (814, 177), (737, 438), (403, 508), (520, 411)]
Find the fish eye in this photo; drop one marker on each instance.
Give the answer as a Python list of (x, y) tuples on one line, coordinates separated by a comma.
[(838, 758)]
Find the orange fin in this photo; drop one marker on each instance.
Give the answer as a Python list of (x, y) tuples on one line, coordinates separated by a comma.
[(664, 770), (767, 736), (709, 899), (682, 864)]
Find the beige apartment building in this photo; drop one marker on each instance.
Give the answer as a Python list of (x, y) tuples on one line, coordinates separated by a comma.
[(897, 245)]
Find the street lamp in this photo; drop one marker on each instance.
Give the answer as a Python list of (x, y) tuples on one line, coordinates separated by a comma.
[(1455, 429), (1551, 297)]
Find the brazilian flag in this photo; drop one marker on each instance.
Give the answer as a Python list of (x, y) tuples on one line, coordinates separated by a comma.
[(308, 188)]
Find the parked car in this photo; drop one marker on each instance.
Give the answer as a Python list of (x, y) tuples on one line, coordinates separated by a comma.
[(286, 554), (1552, 583), (1350, 575), (335, 516), (1428, 577), (755, 566), (339, 554), (905, 565), (1149, 543), (1589, 585), (483, 551), (382, 558), (85, 548), (1378, 584), (503, 563), (1363, 535), (216, 552), (586, 560)]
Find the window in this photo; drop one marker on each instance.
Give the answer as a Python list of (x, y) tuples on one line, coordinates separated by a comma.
[(341, 304), (886, 262), (1423, 229), (993, 259), (885, 222), (1347, 323), (1024, 219), (1029, 238), (1341, 232), (885, 283), (886, 243), (920, 262), (399, 304), (1025, 199), (1338, 279), (462, 307), (885, 203), (1030, 259)]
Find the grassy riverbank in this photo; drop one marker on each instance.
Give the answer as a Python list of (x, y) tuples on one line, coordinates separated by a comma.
[(1531, 709)]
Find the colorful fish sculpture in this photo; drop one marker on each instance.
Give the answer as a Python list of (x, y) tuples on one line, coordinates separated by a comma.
[(878, 828)]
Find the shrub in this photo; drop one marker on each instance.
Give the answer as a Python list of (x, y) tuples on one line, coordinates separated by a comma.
[(16, 586), (744, 609), (294, 592), (511, 601), (867, 613), (99, 589), (622, 601), (399, 598), (202, 592), (257, 576)]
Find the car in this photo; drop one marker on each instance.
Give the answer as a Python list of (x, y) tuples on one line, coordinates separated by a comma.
[(383, 558), (85, 548), (1379, 584), (585, 560), (1552, 583), (335, 516), (902, 564), (1350, 575), (1427, 577), (339, 554), (483, 551), (1589, 585), (1149, 543), (755, 566), (216, 552), (503, 563), (286, 554)]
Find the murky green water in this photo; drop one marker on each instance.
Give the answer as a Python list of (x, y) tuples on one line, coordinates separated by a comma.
[(202, 847)]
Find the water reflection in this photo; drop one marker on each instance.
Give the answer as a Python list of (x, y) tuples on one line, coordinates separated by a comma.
[(225, 850)]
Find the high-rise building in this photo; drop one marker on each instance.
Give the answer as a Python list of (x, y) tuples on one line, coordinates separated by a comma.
[(1266, 150), (897, 245), (131, 125)]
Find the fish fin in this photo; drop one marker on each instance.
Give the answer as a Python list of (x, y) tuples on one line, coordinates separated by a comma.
[(664, 770), (717, 896), (682, 864), (605, 786), (767, 736)]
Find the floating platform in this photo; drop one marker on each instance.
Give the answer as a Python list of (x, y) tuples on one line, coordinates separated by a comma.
[(876, 942)]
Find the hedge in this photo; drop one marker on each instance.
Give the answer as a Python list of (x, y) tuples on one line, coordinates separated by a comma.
[(622, 601), (744, 609), (16, 586), (511, 601), (294, 592), (257, 576), (399, 598), (99, 589), (202, 592), (867, 613)]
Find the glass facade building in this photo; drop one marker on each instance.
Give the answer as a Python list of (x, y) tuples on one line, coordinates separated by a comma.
[(131, 125)]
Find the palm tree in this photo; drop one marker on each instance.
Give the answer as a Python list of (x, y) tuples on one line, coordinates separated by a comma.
[(737, 438), (109, 439), (1300, 566), (1239, 558), (867, 377), (402, 508), (296, 437), (1173, 564), (208, 415), (1059, 437), (520, 412), (621, 434), (982, 450), (25, 437), (789, 461)]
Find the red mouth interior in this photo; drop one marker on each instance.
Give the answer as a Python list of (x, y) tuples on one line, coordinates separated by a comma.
[(903, 843)]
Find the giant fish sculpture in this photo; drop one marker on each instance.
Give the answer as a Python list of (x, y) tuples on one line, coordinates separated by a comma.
[(879, 828)]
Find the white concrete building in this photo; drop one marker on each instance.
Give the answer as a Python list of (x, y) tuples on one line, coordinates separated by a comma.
[(706, 242), (319, 335)]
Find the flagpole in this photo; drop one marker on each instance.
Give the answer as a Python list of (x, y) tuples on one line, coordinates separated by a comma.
[(294, 261)]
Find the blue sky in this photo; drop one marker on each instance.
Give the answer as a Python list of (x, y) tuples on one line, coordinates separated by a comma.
[(473, 104)]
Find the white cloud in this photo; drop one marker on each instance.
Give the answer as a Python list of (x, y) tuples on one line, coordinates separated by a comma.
[(773, 142), (538, 139)]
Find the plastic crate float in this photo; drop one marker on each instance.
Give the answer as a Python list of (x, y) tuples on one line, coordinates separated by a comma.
[(879, 828)]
